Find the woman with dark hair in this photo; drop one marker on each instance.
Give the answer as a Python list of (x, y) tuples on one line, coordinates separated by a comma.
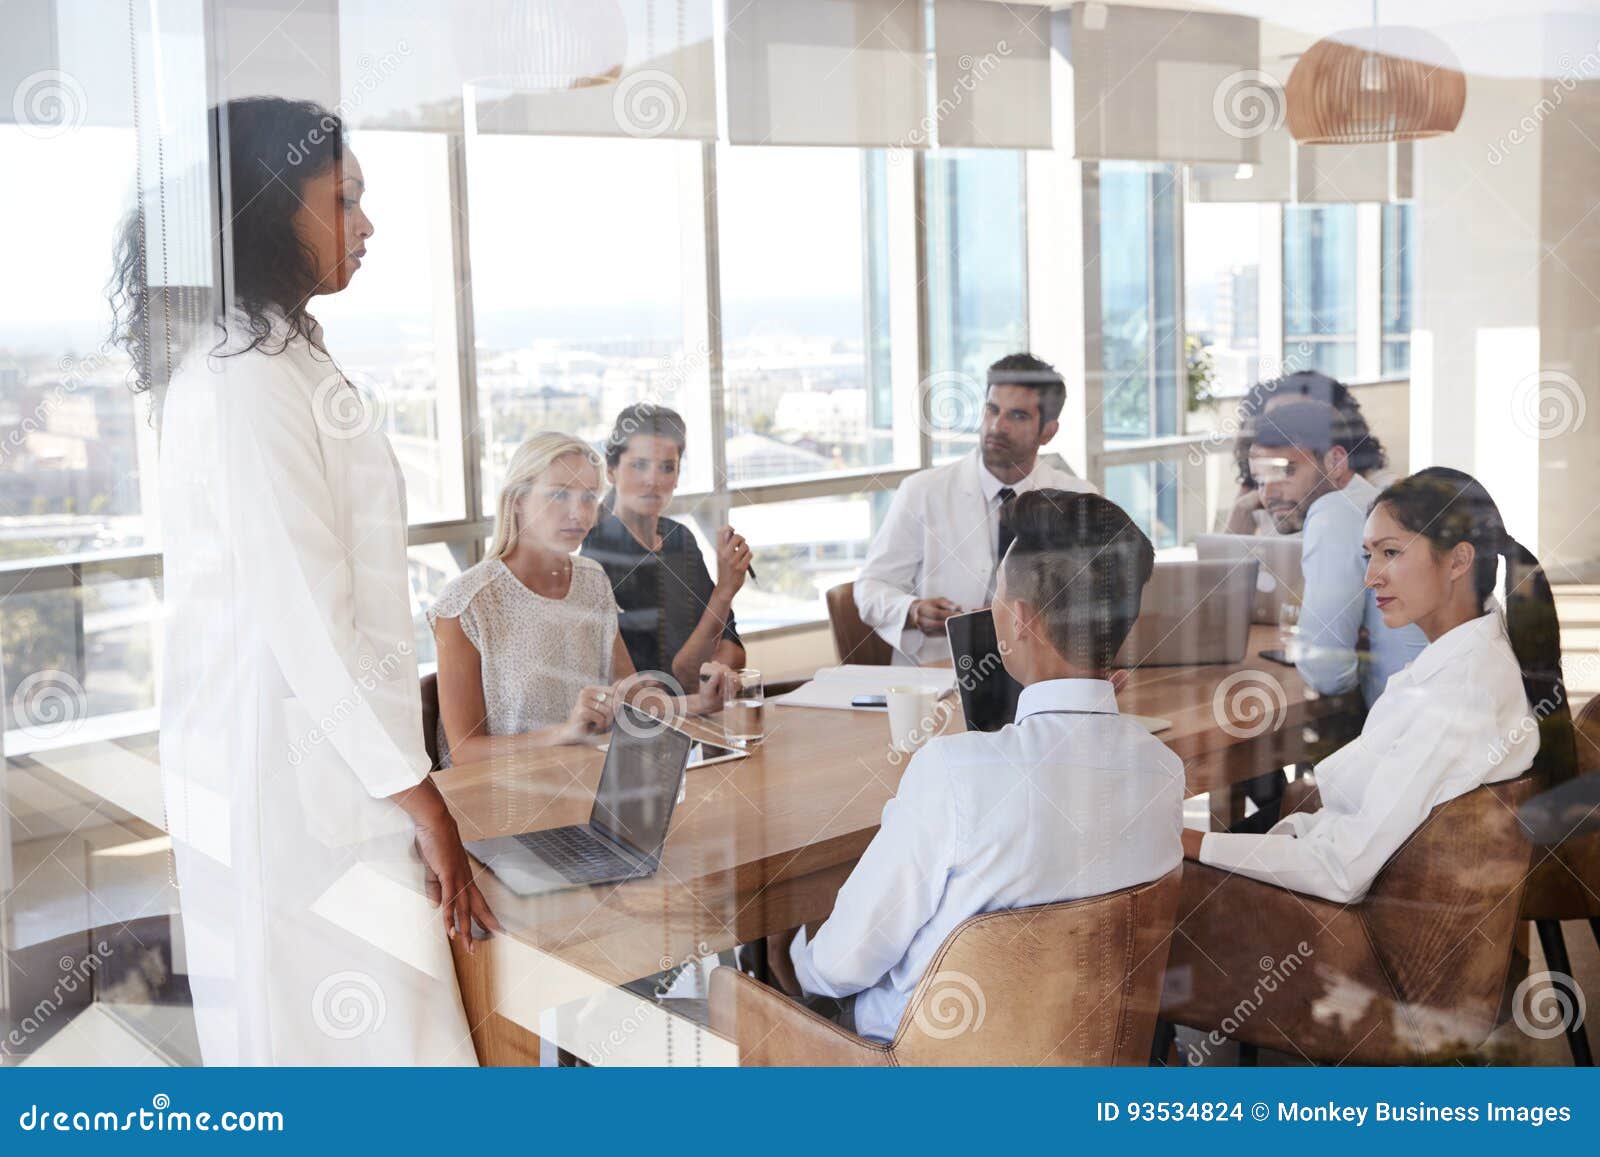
[(1366, 453), (674, 618), (295, 776), (1482, 703)]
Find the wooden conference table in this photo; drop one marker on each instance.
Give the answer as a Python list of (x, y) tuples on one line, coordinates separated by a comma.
[(761, 845)]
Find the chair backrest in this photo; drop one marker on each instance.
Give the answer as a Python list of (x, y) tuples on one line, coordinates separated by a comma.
[(1587, 725), (1442, 914), (430, 717), (1565, 884), (1074, 983), (854, 641)]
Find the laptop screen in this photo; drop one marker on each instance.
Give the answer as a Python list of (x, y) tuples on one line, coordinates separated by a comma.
[(988, 693), (639, 786)]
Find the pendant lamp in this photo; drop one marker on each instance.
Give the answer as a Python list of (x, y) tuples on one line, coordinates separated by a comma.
[(1375, 84)]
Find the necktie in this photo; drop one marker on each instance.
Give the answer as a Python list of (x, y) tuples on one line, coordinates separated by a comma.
[(1006, 495)]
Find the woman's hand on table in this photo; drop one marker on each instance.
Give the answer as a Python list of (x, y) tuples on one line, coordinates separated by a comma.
[(447, 876)]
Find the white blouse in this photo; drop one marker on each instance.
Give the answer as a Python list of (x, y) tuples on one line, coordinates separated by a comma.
[(537, 653), (1455, 719)]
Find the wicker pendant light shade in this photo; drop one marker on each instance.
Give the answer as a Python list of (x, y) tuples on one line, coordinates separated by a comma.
[(1375, 84)]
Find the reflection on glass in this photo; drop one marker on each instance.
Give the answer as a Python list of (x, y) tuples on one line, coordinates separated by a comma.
[(432, 565), (393, 339), (801, 549), (1222, 293), (1148, 491), (1398, 263), (1138, 206), (977, 281), (578, 274), (794, 283), (77, 454), (1319, 288)]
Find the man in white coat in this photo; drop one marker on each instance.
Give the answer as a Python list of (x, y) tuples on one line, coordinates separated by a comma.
[(936, 553)]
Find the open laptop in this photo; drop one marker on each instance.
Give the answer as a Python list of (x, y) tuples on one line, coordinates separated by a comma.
[(627, 827), (1193, 612), (1280, 579), (988, 692)]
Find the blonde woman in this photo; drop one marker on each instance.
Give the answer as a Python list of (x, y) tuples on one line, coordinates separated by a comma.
[(529, 652)]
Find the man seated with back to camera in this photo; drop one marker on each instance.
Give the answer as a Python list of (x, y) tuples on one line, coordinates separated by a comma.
[(1072, 800)]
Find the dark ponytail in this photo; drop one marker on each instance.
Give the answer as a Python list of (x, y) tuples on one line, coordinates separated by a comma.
[(1448, 507)]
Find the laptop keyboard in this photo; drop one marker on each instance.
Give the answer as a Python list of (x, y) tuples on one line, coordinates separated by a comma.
[(581, 858)]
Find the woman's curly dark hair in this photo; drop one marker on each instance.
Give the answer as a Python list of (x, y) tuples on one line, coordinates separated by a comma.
[(1366, 451), (273, 147)]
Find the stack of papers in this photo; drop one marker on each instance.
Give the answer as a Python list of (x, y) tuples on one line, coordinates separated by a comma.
[(835, 687)]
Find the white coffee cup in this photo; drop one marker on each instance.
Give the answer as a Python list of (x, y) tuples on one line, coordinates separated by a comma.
[(913, 716)]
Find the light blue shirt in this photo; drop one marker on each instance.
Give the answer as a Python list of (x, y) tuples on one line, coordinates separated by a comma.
[(1337, 603), (1072, 800)]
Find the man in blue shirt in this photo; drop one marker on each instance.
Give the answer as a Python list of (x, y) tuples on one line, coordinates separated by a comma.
[(1300, 458)]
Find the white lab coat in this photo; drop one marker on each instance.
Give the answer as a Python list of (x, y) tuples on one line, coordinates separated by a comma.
[(939, 539), (289, 710)]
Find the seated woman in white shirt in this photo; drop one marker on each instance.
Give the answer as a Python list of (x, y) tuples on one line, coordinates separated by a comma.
[(529, 652), (1070, 801), (1482, 703)]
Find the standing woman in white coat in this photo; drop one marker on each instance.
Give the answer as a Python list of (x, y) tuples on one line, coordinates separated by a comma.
[(305, 829)]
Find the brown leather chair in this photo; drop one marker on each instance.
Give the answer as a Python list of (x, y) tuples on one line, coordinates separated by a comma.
[(1074, 983), (1415, 972), (1565, 883), (430, 717), (854, 641)]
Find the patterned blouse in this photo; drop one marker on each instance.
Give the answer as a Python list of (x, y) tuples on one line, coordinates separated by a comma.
[(537, 652)]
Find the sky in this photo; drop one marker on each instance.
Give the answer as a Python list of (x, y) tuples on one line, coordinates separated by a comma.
[(555, 221)]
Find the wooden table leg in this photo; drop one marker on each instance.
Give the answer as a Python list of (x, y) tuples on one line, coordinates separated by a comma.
[(498, 1041)]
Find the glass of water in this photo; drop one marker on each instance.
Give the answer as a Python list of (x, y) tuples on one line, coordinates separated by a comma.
[(1289, 630), (744, 707)]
